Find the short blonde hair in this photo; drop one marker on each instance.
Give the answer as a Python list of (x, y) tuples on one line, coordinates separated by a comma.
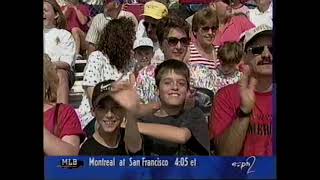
[(50, 80)]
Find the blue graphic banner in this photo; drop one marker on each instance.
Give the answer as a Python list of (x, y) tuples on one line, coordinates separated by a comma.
[(159, 167)]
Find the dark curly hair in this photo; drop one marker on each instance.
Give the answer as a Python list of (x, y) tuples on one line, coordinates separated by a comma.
[(169, 22), (116, 41)]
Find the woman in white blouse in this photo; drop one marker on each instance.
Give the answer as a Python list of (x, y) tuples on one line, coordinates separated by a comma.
[(59, 45), (112, 60)]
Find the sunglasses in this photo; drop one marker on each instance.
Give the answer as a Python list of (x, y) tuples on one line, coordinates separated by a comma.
[(172, 41), (147, 24), (207, 28), (258, 50)]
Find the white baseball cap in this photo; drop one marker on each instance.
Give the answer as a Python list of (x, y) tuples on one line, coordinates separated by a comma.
[(251, 33), (142, 41)]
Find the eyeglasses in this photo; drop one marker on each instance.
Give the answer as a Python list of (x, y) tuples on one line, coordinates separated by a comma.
[(258, 50), (147, 24), (207, 28), (173, 41)]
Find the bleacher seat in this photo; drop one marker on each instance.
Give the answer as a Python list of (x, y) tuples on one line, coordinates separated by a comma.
[(76, 91)]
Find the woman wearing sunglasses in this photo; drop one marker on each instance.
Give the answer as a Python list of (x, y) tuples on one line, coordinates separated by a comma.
[(173, 35), (231, 26), (201, 50)]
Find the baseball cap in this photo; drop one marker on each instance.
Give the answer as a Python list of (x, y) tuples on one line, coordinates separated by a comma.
[(251, 33), (143, 41), (155, 10), (100, 91)]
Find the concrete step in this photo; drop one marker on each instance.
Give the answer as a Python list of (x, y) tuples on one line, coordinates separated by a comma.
[(75, 95)]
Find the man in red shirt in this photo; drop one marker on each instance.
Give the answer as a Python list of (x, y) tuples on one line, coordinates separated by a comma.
[(77, 16), (241, 121)]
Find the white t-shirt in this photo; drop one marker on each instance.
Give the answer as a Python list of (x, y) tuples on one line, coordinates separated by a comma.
[(158, 56), (98, 69), (59, 44), (100, 21), (258, 18)]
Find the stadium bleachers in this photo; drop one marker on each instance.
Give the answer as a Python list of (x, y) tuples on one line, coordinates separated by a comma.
[(76, 91)]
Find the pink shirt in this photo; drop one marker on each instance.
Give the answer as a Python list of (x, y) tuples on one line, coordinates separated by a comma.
[(242, 9), (232, 30), (73, 20)]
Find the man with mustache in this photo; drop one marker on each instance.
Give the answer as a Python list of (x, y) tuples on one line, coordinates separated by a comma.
[(241, 121)]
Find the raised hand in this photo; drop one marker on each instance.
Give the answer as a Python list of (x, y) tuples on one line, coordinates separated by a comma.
[(247, 88), (125, 93)]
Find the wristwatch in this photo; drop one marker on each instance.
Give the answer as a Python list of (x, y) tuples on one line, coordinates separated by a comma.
[(242, 114)]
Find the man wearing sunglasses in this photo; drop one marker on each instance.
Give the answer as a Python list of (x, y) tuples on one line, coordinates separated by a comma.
[(231, 26), (153, 12), (241, 121)]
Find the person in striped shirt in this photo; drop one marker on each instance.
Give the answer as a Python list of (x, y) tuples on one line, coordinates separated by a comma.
[(201, 50)]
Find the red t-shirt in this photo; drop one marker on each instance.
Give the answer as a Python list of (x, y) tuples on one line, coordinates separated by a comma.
[(73, 20), (233, 30), (68, 119), (258, 141)]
